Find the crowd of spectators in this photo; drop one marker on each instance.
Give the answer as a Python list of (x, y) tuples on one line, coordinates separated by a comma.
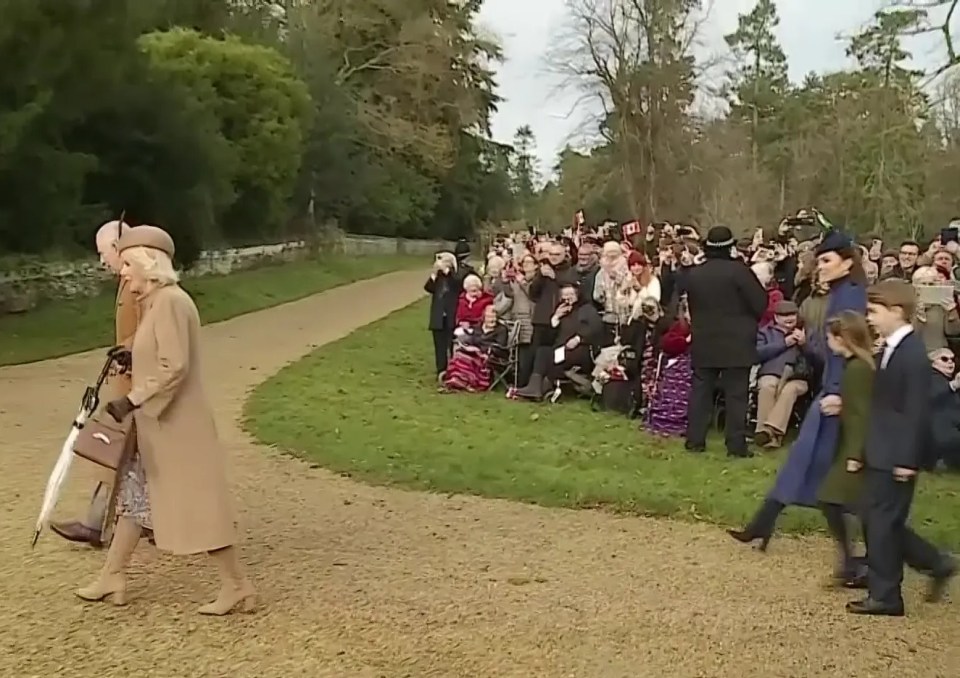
[(640, 325)]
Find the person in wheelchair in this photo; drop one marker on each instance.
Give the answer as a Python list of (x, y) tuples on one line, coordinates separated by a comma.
[(578, 332), (473, 348), (779, 384)]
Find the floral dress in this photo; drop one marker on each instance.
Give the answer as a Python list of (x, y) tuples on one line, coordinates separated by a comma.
[(133, 498)]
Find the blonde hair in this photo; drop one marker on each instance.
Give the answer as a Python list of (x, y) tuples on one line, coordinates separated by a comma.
[(495, 265), (154, 265), (852, 329)]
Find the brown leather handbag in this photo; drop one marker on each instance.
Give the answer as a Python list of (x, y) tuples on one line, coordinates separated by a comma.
[(103, 442)]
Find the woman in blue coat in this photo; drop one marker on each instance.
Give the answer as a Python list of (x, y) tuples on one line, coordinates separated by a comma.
[(810, 457)]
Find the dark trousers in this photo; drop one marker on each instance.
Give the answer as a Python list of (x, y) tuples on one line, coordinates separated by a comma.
[(542, 336), (735, 384), (442, 343), (890, 542), (525, 354), (578, 357)]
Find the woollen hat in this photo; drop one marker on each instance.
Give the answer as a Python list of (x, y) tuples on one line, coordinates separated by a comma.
[(720, 237), (153, 237), (636, 258)]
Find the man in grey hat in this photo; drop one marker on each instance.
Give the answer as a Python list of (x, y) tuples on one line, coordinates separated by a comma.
[(726, 302), (779, 383)]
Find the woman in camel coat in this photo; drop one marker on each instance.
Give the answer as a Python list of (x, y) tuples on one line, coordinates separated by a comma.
[(176, 484)]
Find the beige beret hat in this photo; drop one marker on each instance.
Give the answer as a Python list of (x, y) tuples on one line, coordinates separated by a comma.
[(153, 237)]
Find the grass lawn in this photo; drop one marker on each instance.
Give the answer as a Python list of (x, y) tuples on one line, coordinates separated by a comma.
[(63, 327), (381, 420)]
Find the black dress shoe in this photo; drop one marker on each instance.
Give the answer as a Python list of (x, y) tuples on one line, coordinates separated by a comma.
[(742, 454), (869, 606), (941, 580), (696, 449)]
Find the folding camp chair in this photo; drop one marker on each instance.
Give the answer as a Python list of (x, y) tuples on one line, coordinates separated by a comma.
[(505, 360)]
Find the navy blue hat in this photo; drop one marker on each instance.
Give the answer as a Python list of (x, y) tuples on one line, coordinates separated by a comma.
[(834, 241)]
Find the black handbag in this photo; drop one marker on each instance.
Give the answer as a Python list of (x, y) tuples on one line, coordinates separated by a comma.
[(617, 396)]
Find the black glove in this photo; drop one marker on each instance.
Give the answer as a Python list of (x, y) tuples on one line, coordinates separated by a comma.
[(122, 357), (120, 408)]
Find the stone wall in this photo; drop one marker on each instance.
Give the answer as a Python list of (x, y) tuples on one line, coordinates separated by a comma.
[(23, 289)]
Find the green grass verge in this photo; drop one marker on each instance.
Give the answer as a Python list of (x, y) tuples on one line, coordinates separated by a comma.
[(381, 420), (63, 327)]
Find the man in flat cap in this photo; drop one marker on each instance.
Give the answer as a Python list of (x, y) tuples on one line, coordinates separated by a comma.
[(779, 382)]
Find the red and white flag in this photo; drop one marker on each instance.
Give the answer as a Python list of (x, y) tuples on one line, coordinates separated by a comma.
[(630, 229)]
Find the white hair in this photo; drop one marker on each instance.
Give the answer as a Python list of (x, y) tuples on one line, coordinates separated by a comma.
[(447, 258), (764, 272), (154, 265), (611, 249), (472, 282), (925, 275)]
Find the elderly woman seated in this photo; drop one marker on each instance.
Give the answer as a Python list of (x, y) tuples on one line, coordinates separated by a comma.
[(472, 302), (469, 368)]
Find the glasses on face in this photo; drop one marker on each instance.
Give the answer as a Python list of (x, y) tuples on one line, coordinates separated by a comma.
[(946, 360), (908, 253)]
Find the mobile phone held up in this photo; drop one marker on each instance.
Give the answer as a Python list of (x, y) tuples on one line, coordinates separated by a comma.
[(948, 235)]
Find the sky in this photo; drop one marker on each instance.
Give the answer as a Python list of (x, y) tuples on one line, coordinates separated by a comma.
[(810, 32)]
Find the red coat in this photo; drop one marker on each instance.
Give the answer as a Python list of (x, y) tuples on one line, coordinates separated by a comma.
[(471, 312), (676, 340), (774, 297)]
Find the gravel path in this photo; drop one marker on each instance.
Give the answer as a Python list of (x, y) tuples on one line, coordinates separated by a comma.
[(360, 581)]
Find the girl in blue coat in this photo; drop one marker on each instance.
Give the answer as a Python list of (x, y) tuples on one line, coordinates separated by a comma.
[(810, 457)]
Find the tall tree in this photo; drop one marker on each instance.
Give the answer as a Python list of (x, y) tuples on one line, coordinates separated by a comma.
[(525, 175), (759, 87)]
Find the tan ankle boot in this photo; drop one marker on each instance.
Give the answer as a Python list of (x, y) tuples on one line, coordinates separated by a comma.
[(235, 589), (112, 583)]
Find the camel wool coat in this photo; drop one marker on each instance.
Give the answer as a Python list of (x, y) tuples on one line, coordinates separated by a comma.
[(185, 466)]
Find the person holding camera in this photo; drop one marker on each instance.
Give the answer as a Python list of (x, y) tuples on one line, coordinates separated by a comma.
[(443, 286), (553, 271)]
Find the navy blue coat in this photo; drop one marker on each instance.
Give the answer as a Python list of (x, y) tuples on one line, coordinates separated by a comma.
[(812, 453)]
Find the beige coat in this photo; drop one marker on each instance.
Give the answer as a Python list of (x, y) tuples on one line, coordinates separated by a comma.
[(185, 466)]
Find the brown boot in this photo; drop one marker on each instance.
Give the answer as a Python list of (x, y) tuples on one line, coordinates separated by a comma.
[(112, 583), (235, 589), (77, 532)]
